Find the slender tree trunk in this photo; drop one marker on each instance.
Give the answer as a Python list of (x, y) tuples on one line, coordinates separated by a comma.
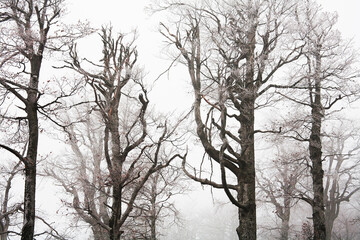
[(332, 206), (315, 150), (329, 227), (153, 208), (29, 203), (285, 220), (330, 215), (286, 210), (31, 156), (284, 235)]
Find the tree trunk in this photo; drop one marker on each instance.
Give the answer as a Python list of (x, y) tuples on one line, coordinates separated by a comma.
[(286, 210), (329, 227), (3, 230), (153, 208), (27, 232), (315, 150), (246, 178), (29, 203), (284, 234), (100, 233), (116, 170), (115, 232), (331, 212)]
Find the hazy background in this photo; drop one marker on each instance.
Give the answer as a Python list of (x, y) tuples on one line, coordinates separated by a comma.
[(171, 92)]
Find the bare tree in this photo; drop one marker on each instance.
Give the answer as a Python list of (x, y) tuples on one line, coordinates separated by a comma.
[(28, 45), (81, 173), (7, 208), (232, 51), (280, 188), (26, 37), (154, 208), (341, 150), (325, 77), (133, 145), (345, 227), (83, 176)]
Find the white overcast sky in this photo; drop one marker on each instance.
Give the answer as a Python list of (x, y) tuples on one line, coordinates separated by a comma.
[(125, 15)]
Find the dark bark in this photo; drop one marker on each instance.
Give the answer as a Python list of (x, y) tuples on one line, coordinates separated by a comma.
[(3, 232), (246, 175), (32, 21), (153, 207), (238, 72), (116, 170), (31, 156), (315, 151), (328, 74)]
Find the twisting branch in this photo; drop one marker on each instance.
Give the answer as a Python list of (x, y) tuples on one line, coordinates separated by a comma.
[(204, 181)]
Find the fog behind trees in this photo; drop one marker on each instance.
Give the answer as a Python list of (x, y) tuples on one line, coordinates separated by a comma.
[(179, 120)]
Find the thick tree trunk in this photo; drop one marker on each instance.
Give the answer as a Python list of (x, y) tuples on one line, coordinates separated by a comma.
[(246, 178), (116, 208), (27, 232), (3, 229), (318, 189), (116, 170), (115, 232), (100, 234), (247, 216), (315, 149)]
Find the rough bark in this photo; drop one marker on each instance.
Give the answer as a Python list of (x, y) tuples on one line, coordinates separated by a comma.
[(240, 72), (329, 74), (315, 151), (153, 208), (246, 175), (100, 233), (115, 171), (31, 156), (30, 21)]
